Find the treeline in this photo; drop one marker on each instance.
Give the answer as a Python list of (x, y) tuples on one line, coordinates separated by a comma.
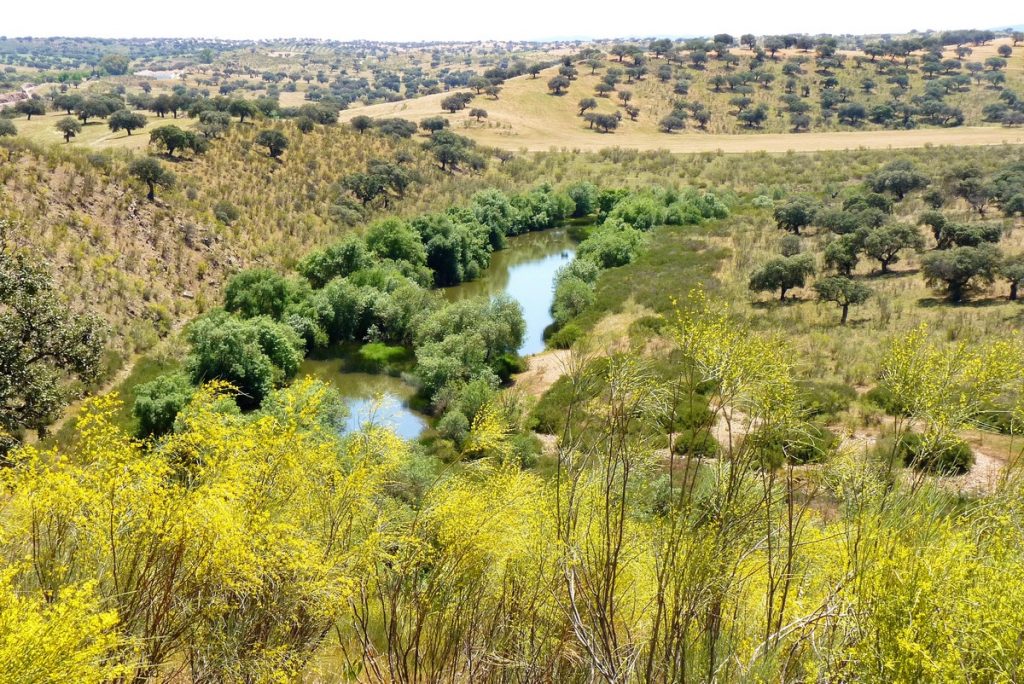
[(846, 87), (615, 240)]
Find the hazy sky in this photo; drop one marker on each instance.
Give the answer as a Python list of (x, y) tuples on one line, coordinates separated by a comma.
[(522, 19)]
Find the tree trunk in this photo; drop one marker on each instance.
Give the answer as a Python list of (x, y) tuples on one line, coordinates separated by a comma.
[(151, 196), (782, 296), (846, 312), (1013, 291)]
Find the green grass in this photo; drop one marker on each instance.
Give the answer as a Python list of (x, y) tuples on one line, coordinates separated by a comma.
[(677, 259), (95, 134), (146, 369)]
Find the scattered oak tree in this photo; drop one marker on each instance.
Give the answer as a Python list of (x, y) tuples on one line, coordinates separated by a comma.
[(960, 267), (884, 244), (48, 353), (126, 120), (69, 127), (783, 274), (795, 214), (275, 141), (843, 292), (150, 171)]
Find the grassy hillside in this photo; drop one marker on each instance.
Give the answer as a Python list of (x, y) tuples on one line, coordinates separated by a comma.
[(722, 255), (527, 115), (147, 266)]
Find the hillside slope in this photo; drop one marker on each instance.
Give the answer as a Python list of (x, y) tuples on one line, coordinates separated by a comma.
[(527, 116)]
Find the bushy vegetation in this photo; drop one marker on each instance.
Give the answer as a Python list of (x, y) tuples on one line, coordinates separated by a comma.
[(709, 487), (275, 498)]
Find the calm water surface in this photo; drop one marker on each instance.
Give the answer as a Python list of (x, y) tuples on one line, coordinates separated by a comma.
[(525, 270), (380, 399)]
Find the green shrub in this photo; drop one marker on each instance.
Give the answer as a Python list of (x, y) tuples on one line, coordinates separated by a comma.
[(824, 398), (527, 449), (507, 365), (695, 443), (565, 337), (948, 457), (639, 212), (454, 426), (548, 415), (806, 443), (690, 413), (882, 397), (225, 212), (157, 403)]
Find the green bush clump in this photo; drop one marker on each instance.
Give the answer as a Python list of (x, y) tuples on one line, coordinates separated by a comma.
[(882, 397), (824, 398), (548, 415), (507, 365), (526, 448), (225, 212), (690, 413), (157, 403), (614, 243), (695, 444), (807, 443), (565, 337), (639, 212), (947, 457)]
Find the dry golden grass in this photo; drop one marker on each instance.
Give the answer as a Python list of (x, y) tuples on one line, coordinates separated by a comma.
[(527, 117)]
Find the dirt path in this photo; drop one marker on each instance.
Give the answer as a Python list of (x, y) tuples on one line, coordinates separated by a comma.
[(542, 371), (686, 143)]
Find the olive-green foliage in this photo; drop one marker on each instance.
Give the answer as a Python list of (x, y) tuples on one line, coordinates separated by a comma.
[(340, 259), (960, 267), (807, 443), (258, 292), (566, 336), (225, 212), (549, 414), (254, 354), (826, 399), (585, 198), (395, 239), (49, 352), (467, 340), (695, 443), (639, 212), (457, 246), (611, 244), (783, 274), (157, 403), (540, 208), (947, 457)]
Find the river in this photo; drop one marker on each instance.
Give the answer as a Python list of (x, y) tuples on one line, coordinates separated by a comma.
[(525, 270)]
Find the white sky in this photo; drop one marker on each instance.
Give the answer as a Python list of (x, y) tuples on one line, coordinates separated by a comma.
[(403, 20)]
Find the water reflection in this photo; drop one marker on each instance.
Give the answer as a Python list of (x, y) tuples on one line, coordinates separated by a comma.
[(382, 399), (525, 270)]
